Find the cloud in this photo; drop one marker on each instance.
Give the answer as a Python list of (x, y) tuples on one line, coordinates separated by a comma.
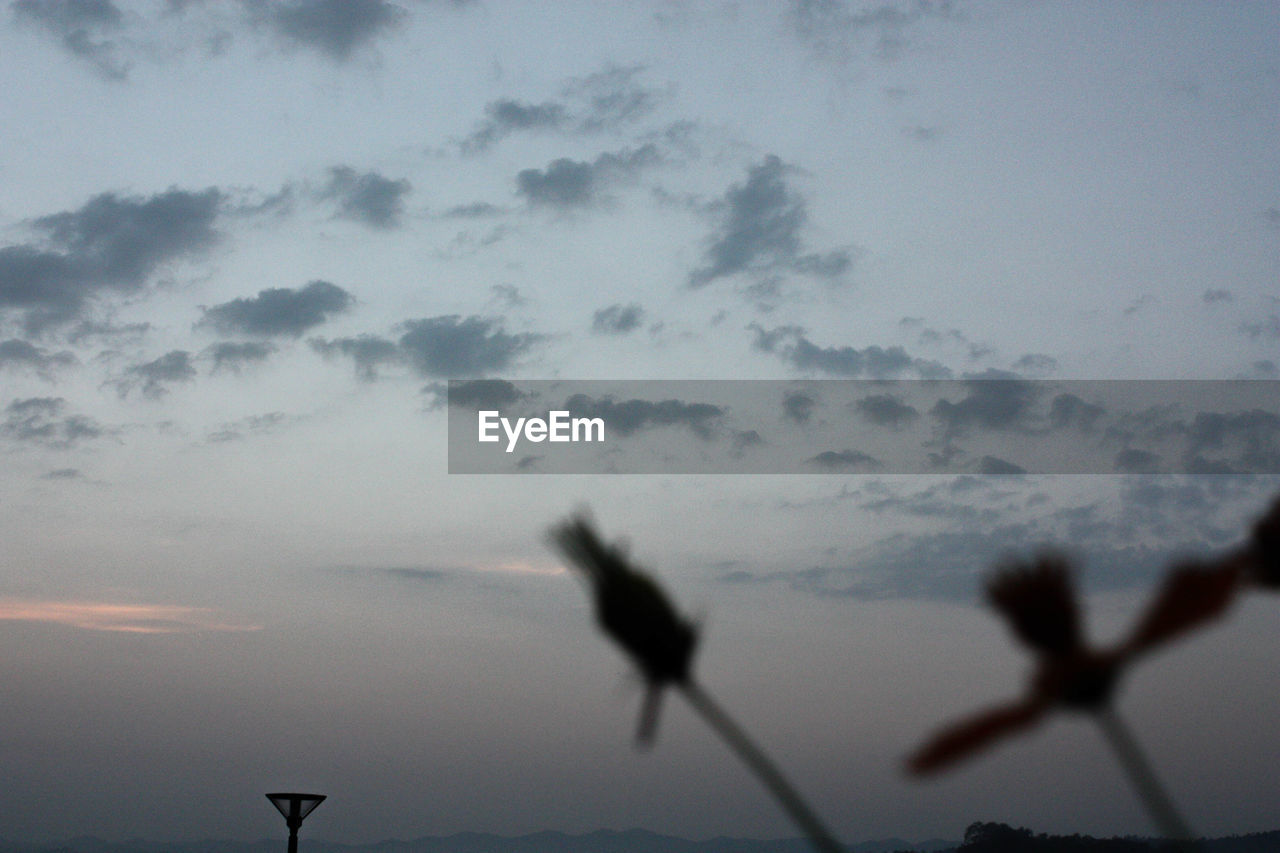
[(1071, 410), (278, 311), (154, 376), (844, 460), (835, 27), (367, 198), (761, 231), (611, 97), (78, 25), (126, 618), (1268, 328), (597, 102), (791, 345), (996, 401), (617, 319), (232, 356), (568, 183), (1212, 296), (505, 116), (798, 406), (369, 352), (994, 465), (483, 394), (16, 353), (450, 346), (41, 420), (336, 28), (886, 410), (112, 244), (252, 425), (629, 416)]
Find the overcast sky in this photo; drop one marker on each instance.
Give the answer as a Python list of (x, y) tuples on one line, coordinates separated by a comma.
[(244, 244)]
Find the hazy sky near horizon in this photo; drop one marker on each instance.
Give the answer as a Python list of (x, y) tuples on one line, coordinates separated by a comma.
[(244, 244)]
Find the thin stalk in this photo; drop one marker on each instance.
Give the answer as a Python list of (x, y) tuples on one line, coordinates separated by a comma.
[(1159, 805), (760, 764)]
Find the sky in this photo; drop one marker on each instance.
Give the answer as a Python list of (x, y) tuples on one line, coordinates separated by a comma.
[(244, 245)]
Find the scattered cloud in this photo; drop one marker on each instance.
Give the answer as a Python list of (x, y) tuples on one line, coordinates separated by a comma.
[(1267, 328), (611, 97), (252, 425), (79, 26), (568, 183), (886, 410), (504, 116), (336, 28), (450, 346), (797, 406), (278, 311), (838, 28), (791, 345), (995, 401), (154, 377), (112, 244), (369, 352), (15, 353), (626, 417), (844, 460), (368, 198), (617, 319), (43, 420), (233, 356), (483, 394), (761, 231), (1212, 296)]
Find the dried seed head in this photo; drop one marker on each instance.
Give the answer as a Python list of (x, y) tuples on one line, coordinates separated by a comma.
[(1038, 600), (630, 607)]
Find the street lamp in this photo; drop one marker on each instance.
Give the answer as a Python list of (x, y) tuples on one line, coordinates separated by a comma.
[(295, 807)]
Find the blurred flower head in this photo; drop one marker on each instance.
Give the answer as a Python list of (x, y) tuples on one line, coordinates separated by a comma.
[(1039, 601), (1264, 549), (632, 610)]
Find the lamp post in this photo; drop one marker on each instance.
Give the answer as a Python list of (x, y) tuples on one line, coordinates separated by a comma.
[(295, 807)]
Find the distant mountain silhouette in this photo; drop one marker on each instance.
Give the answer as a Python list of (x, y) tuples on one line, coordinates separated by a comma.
[(978, 838), (600, 841)]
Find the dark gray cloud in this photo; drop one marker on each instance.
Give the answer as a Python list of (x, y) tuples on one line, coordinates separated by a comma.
[(336, 28), (369, 352), (1212, 296), (994, 465), (1070, 410), (416, 575), (505, 116), (628, 416), (62, 474), (568, 183), (483, 394), (1035, 363), (761, 231), (154, 377), (601, 101), (617, 319), (844, 460), (791, 345), (1134, 461), (112, 244), (451, 346), (15, 353), (278, 311), (79, 26), (886, 410), (997, 401), (233, 356), (43, 420), (798, 406), (1267, 328), (475, 210), (368, 198)]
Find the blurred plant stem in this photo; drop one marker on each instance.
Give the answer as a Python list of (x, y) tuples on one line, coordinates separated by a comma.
[(760, 764), (1168, 819)]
